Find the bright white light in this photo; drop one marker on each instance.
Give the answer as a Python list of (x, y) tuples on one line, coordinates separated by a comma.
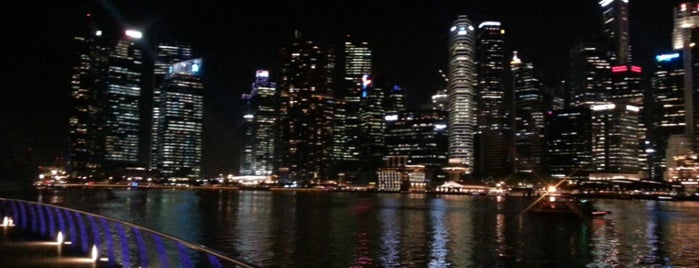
[(134, 34), (95, 253), (489, 23), (632, 108), (439, 126), (605, 3), (262, 73), (59, 238), (602, 107), (391, 117), (453, 28), (98, 33), (7, 222), (248, 116), (552, 189)]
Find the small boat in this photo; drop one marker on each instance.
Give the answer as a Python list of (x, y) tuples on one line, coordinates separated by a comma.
[(565, 205)]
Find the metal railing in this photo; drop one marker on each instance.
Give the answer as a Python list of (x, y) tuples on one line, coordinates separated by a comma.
[(105, 239)]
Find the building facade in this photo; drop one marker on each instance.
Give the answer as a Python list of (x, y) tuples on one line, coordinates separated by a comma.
[(260, 120), (180, 121), (461, 93)]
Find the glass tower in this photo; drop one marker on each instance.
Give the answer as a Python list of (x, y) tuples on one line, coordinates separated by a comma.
[(180, 121), (461, 93), (260, 120), (493, 122)]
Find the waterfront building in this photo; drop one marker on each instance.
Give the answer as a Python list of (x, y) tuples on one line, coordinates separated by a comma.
[(180, 118), (358, 62), (684, 36), (493, 126), (106, 91), (398, 175), (569, 143), (461, 95), (529, 121), (306, 110), (372, 146), (615, 138), (667, 109), (167, 54), (260, 119), (420, 136)]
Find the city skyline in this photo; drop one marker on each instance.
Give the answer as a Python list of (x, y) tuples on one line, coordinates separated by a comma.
[(413, 51)]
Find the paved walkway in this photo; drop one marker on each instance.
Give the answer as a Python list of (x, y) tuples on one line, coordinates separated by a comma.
[(21, 249)]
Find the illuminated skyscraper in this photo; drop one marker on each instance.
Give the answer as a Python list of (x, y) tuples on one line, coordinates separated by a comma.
[(667, 114), (178, 147), (357, 63), (685, 35), (590, 78), (615, 138), (529, 124), (124, 84), (615, 16), (493, 122), (167, 55), (306, 110), (462, 108), (260, 121)]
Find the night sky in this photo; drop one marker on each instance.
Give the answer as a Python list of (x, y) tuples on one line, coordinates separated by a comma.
[(235, 38)]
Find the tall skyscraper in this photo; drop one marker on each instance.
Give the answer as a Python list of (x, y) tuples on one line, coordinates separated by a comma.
[(261, 118), (590, 78), (306, 110), (685, 33), (357, 64), (167, 55), (615, 16), (493, 121), (529, 124), (124, 84), (462, 107), (179, 143), (667, 111), (106, 86)]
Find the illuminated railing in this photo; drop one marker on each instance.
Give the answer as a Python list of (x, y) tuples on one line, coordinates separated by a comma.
[(105, 239)]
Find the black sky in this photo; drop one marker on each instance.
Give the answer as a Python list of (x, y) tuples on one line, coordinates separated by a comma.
[(236, 38)]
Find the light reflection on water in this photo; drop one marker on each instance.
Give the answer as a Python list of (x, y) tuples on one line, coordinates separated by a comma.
[(311, 229)]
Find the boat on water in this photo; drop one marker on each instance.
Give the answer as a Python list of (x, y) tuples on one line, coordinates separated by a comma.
[(565, 205)]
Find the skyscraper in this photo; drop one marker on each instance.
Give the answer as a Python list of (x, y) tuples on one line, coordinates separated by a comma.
[(569, 143), (615, 138), (615, 16), (493, 122), (667, 111), (529, 118), (590, 77), (306, 110), (261, 118), (167, 55), (106, 87), (462, 108), (180, 121)]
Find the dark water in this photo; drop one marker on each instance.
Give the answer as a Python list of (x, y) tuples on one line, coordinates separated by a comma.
[(333, 229)]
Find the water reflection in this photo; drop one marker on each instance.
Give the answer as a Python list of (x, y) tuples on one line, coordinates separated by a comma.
[(298, 229)]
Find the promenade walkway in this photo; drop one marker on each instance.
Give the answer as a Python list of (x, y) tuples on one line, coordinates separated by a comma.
[(23, 249)]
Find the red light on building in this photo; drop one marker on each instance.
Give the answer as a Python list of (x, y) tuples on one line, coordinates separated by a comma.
[(618, 69), (636, 69)]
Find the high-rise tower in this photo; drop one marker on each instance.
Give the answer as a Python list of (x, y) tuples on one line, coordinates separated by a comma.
[(180, 121), (615, 16), (261, 118), (167, 55), (491, 101), (462, 108), (529, 118), (306, 110)]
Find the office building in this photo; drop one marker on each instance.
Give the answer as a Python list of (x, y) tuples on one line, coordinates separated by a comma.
[(260, 120), (167, 54), (306, 110), (461, 95), (615, 138), (569, 143), (493, 116), (590, 74), (181, 110), (529, 125), (667, 109), (615, 17)]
